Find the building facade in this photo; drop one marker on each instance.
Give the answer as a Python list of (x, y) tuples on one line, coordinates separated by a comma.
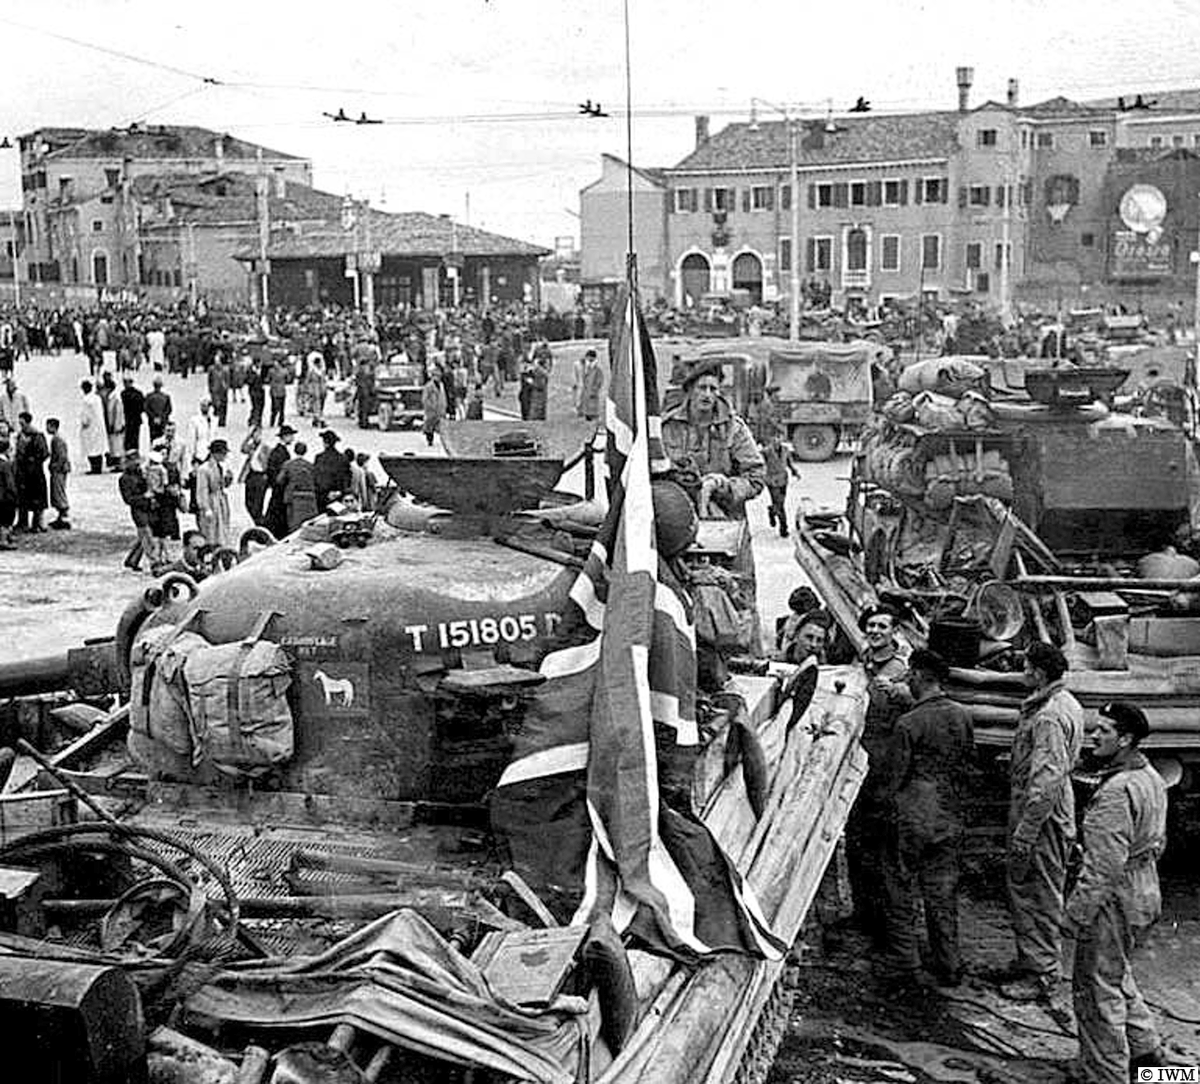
[(412, 259), (604, 230), (81, 207), (1002, 203)]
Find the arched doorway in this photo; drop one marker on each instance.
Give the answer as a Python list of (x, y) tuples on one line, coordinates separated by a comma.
[(695, 274), (747, 275), (100, 268)]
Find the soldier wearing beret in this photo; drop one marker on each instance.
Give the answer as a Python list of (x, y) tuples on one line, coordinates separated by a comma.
[(711, 448)]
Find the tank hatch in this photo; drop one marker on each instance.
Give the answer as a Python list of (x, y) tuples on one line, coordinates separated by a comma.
[(482, 488), (493, 468)]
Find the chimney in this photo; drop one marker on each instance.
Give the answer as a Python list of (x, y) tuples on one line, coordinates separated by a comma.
[(965, 77), (701, 130), (1013, 87), (219, 150), (278, 183)]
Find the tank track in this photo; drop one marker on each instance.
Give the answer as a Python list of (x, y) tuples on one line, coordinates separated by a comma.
[(769, 1030)]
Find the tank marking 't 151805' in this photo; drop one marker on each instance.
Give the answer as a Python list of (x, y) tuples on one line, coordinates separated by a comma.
[(482, 631)]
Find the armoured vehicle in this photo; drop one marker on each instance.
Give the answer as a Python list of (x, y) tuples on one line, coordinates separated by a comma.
[(304, 872), (1038, 520)]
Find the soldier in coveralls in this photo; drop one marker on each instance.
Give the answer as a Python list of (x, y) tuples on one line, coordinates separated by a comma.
[(1041, 822), (1116, 897)]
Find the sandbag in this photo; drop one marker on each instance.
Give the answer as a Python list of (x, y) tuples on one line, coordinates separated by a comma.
[(947, 376), (976, 411), (934, 411), (726, 609), (965, 473), (718, 622), (899, 408)]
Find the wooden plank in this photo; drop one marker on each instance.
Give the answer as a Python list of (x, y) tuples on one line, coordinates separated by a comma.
[(223, 805), (686, 1032), (24, 771), (106, 730), (1103, 583), (698, 1038)]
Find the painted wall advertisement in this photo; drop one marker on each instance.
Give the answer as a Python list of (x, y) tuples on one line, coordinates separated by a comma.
[(1135, 256)]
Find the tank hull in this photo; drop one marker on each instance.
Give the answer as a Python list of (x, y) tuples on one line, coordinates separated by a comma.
[(371, 641)]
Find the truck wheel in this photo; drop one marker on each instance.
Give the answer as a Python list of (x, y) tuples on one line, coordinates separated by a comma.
[(385, 416), (814, 443)]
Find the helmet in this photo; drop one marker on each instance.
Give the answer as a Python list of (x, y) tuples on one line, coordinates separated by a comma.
[(675, 521)]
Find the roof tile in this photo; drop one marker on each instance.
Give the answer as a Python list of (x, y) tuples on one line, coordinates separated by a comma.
[(152, 141), (876, 138)]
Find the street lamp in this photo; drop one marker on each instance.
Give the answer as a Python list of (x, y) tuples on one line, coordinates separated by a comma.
[(794, 170)]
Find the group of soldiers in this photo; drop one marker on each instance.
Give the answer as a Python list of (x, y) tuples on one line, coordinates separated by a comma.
[(1091, 880)]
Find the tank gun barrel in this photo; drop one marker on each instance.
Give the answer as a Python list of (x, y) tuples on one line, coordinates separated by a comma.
[(87, 670), (28, 677)]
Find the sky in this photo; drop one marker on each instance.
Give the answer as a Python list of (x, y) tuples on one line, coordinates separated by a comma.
[(480, 97)]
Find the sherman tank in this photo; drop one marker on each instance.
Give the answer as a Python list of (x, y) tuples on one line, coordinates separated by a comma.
[(277, 836), (1039, 514)]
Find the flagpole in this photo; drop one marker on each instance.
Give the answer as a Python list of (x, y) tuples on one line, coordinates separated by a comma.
[(631, 254)]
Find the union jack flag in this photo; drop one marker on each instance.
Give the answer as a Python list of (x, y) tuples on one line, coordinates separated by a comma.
[(612, 702)]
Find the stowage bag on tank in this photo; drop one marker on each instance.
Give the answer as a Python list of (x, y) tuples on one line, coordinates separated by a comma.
[(161, 730), (196, 706), (238, 696)]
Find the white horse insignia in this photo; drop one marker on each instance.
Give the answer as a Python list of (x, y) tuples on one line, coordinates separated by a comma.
[(338, 691)]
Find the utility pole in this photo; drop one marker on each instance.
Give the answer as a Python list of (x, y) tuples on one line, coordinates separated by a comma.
[(191, 264), (794, 180), (262, 191), (1195, 359), (454, 268), (367, 262), (794, 285)]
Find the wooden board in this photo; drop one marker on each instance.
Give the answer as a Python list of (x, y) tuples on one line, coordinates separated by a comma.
[(23, 814)]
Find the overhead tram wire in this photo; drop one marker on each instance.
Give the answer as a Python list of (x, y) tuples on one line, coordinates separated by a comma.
[(119, 53), (173, 100), (816, 108)]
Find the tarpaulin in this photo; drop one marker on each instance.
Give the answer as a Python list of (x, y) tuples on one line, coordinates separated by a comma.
[(398, 980)]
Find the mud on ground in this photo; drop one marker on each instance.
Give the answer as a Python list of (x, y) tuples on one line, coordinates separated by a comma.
[(851, 1024)]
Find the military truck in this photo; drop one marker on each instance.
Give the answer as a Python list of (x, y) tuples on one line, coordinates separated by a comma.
[(825, 389)]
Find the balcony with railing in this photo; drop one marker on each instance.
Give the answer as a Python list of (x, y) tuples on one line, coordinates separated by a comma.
[(856, 278)]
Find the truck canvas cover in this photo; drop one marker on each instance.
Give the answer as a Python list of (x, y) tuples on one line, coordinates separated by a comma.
[(818, 371)]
